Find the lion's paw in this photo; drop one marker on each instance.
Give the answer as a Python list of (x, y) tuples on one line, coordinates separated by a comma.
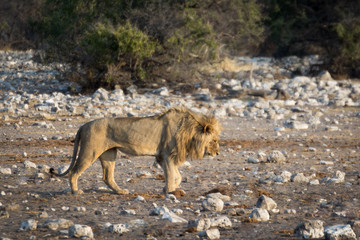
[(78, 192), (122, 192)]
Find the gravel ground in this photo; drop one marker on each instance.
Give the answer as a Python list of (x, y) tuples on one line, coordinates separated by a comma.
[(322, 160)]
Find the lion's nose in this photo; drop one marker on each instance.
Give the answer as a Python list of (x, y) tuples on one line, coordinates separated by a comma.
[(217, 153)]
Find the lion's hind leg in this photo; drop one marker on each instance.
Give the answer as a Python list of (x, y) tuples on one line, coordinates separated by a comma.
[(84, 161), (108, 164)]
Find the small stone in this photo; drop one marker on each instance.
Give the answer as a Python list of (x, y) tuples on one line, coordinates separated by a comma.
[(213, 204), (310, 229), (29, 164), (143, 174), (314, 182), (253, 160), (260, 214), (296, 125), (128, 212), (212, 233), (62, 169), (81, 231), (266, 203), (172, 217), (299, 178), (119, 228), (225, 198), (276, 157), (290, 211), (339, 177), (30, 224), (339, 232), (140, 199), (6, 171), (79, 209), (158, 211), (332, 128), (207, 223)]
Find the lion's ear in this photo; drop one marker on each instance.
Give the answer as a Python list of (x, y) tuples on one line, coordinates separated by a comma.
[(208, 129)]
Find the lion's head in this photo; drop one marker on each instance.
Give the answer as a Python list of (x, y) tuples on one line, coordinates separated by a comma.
[(198, 135)]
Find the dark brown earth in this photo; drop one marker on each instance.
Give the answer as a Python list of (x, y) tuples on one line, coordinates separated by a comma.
[(229, 173)]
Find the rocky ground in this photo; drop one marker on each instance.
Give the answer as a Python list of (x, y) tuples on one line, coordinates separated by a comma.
[(288, 168)]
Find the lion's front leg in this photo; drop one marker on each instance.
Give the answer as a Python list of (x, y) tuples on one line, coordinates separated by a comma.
[(170, 176), (178, 177)]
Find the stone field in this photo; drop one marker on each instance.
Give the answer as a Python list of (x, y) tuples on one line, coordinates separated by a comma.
[(289, 166)]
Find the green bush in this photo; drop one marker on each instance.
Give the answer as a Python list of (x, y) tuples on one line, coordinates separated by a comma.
[(107, 45), (194, 38)]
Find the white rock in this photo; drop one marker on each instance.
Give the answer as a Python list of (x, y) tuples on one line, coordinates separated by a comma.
[(101, 94), (332, 128), (79, 209), (253, 160), (266, 203), (340, 232), (159, 211), (276, 157), (299, 178), (6, 171), (310, 229), (213, 204), (30, 224), (62, 169), (119, 228), (40, 176), (260, 214), (61, 223), (286, 176), (314, 182), (143, 174), (140, 199), (172, 217), (207, 223), (296, 125), (225, 198), (339, 177), (81, 231), (325, 76), (212, 233), (128, 212), (29, 164)]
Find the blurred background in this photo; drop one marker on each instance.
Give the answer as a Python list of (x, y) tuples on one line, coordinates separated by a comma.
[(154, 43)]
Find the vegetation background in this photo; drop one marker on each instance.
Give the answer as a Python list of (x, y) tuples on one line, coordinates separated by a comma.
[(153, 43)]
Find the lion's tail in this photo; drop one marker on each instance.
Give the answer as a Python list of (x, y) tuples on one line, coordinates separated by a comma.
[(73, 161)]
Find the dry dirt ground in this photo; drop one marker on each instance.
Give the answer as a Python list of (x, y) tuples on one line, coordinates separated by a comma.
[(26, 197)]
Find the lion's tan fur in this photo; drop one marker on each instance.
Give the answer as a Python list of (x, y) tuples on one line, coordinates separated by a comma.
[(171, 137)]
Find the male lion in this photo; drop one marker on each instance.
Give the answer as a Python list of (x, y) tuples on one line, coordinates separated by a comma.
[(171, 137)]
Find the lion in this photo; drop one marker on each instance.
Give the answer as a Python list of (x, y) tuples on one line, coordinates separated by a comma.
[(171, 137)]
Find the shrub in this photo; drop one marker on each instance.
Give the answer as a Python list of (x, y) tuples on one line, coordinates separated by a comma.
[(107, 45), (194, 38)]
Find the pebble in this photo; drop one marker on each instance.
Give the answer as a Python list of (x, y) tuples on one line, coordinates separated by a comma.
[(212, 233), (213, 204), (27, 225), (207, 223), (29, 164), (266, 203), (276, 157), (310, 229), (119, 228), (260, 214), (173, 218), (81, 231), (339, 232)]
